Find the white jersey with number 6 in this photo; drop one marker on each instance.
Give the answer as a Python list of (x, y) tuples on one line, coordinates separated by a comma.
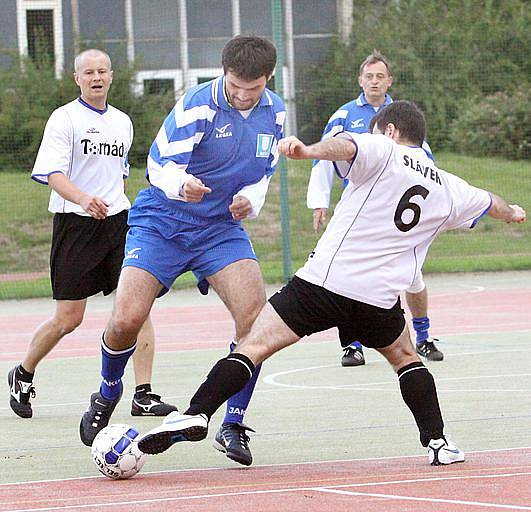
[(395, 204), (89, 147)]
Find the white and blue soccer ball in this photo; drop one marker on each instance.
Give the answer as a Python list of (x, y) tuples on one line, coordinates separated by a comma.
[(115, 452)]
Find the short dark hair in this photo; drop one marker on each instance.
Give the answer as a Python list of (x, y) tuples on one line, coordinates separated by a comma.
[(406, 116), (373, 58), (249, 57)]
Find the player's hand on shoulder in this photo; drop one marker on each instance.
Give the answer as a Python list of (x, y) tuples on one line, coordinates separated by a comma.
[(293, 148), (94, 206), (240, 208), (519, 214), (194, 190), (319, 218)]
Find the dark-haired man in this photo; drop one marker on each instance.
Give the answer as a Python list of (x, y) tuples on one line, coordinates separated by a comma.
[(394, 206), (209, 168), (375, 78)]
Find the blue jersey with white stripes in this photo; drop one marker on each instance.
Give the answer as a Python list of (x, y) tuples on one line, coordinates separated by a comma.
[(206, 137), (354, 116)]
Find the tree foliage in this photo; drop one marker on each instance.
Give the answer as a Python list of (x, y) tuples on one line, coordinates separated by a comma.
[(442, 54), (29, 92)]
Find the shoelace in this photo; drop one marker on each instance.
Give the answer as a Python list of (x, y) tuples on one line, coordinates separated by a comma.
[(155, 397), (25, 397), (244, 438)]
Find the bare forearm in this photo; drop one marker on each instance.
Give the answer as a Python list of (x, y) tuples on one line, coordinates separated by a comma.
[(65, 188), (335, 149), (503, 211)]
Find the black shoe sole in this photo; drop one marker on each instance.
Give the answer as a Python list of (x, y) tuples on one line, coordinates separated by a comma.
[(161, 441), (22, 412), (357, 363)]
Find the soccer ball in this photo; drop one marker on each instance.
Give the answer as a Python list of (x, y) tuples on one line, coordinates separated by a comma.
[(115, 452)]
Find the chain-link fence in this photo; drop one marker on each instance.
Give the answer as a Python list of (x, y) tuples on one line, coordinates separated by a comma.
[(465, 63)]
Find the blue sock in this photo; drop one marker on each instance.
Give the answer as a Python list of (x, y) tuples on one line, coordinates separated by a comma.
[(237, 404), (355, 344), (113, 363), (421, 326)]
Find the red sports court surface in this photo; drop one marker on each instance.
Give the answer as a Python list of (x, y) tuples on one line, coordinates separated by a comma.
[(478, 314), (488, 481), (190, 328)]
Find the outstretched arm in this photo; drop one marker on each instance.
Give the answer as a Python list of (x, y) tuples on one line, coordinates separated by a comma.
[(335, 149), (503, 211)]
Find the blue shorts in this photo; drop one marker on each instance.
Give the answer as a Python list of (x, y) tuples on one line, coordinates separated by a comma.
[(167, 244)]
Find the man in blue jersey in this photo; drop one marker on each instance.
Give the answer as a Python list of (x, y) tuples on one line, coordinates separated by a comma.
[(209, 168), (375, 78)]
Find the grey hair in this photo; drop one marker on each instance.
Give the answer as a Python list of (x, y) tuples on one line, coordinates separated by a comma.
[(93, 52)]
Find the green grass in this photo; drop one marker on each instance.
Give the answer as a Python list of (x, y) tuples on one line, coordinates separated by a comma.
[(25, 225)]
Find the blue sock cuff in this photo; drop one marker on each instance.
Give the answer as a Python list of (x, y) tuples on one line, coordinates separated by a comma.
[(421, 326), (355, 344)]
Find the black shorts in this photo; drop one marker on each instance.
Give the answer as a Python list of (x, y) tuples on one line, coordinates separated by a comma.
[(86, 254), (307, 308)]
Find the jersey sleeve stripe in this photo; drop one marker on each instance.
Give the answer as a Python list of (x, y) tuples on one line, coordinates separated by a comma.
[(333, 131), (44, 180), (340, 114), (184, 116), (280, 118), (476, 220)]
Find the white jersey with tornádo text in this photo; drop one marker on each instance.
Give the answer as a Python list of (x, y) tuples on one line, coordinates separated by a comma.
[(395, 204), (89, 147)]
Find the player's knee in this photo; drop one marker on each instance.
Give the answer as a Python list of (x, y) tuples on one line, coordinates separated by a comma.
[(68, 324), (125, 327), (400, 353)]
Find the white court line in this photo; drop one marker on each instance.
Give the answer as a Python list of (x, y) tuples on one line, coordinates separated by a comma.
[(429, 500), (273, 466), (271, 380), (329, 489)]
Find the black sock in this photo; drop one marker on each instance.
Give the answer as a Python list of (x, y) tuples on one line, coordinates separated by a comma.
[(419, 393), (23, 374), (142, 390), (228, 376)]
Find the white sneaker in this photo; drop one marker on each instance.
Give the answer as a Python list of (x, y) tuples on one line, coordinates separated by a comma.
[(443, 451), (175, 428)]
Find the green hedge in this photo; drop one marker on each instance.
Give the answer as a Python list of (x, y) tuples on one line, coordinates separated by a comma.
[(442, 55), (28, 97), (499, 124)]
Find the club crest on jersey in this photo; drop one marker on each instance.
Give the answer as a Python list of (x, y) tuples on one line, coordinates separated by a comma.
[(223, 132), (358, 123), (263, 145)]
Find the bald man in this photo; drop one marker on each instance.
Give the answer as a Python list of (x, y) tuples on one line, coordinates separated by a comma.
[(83, 159)]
